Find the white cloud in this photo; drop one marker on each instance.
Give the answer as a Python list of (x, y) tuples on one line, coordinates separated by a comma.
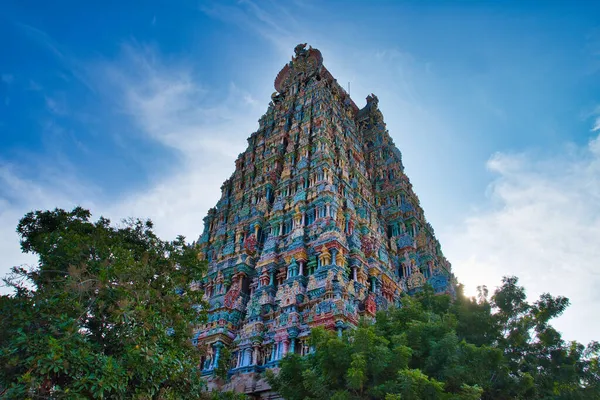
[(208, 130), (543, 225), (595, 115), (596, 126), (172, 105)]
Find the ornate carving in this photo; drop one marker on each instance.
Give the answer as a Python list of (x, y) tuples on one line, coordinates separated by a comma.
[(250, 244), (416, 280), (370, 305), (369, 245)]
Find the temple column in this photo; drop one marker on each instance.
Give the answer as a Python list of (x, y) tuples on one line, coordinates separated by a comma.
[(354, 273), (272, 278), (255, 355), (242, 357), (301, 270), (239, 358), (273, 351), (286, 345), (333, 254), (280, 228), (303, 218), (279, 350), (217, 346), (247, 356)]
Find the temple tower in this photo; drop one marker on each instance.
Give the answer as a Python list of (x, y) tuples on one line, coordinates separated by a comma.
[(317, 226)]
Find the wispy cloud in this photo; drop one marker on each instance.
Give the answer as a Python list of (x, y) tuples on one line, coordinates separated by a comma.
[(596, 117), (275, 23), (7, 78), (56, 105), (69, 62), (167, 101), (543, 225), (170, 104)]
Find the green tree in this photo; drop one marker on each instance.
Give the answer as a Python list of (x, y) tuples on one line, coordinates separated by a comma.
[(433, 347), (106, 313), (541, 364)]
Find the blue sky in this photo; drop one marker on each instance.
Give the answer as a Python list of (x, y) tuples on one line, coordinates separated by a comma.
[(140, 108)]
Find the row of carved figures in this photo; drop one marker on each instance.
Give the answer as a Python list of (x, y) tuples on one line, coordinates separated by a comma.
[(256, 355), (298, 268)]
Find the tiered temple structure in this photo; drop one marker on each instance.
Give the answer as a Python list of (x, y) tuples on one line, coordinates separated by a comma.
[(317, 226)]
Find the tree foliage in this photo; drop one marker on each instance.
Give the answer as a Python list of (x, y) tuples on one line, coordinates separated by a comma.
[(498, 347), (106, 313)]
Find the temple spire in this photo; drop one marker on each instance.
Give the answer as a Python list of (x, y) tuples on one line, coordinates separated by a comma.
[(317, 223)]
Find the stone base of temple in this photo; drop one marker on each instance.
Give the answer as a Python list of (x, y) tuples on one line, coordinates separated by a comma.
[(253, 384)]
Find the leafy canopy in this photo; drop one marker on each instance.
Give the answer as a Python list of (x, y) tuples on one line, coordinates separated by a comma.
[(432, 348), (106, 313)]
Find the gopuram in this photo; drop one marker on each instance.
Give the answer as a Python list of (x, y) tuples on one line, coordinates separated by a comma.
[(317, 226)]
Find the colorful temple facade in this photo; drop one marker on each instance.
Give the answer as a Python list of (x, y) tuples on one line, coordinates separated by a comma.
[(317, 226)]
